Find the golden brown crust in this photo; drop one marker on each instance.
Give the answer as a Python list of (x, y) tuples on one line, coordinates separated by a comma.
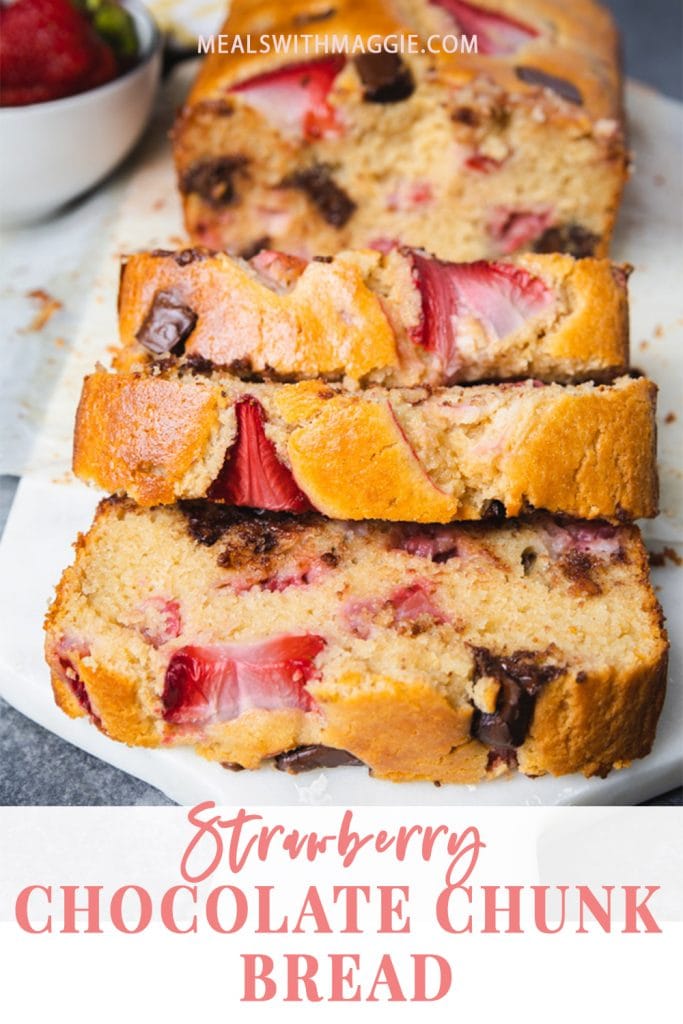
[(141, 432), (332, 322), (408, 731), (585, 451), (577, 42)]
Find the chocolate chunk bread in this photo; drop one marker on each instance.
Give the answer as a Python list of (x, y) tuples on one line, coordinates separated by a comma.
[(397, 454), (515, 146), (399, 318), (450, 653)]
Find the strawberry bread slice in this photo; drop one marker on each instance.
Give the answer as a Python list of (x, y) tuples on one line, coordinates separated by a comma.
[(401, 454), (479, 128), (451, 653), (399, 318)]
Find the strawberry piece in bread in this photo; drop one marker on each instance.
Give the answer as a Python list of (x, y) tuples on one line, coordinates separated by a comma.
[(220, 682), (294, 98), (497, 34)]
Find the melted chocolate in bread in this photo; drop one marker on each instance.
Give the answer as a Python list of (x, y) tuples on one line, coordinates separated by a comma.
[(168, 324), (385, 77), (307, 759), (213, 180), (534, 76), (331, 200), (570, 238), (521, 677)]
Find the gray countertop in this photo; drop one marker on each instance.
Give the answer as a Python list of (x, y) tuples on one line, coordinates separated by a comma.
[(36, 767)]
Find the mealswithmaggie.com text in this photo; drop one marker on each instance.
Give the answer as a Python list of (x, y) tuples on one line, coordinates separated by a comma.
[(309, 44)]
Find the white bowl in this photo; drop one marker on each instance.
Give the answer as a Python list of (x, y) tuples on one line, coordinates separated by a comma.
[(53, 152)]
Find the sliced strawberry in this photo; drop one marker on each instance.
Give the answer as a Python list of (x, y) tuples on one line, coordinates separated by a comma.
[(359, 613), (161, 620), (294, 98), (500, 296), (66, 651), (415, 602), (221, 682), (404, 604), (482, 164), (496, 33), (280, 268), (438, 543), (252, 474), (515, 229), (599, 539)]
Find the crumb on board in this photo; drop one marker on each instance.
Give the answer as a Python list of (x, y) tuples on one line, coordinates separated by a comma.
[(66, 477), (48, 306), (660, 558), (643, 345), (59, 343), (670, 417), (658, 331)]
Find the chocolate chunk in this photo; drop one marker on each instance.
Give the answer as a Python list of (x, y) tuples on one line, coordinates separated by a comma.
[(207, 522), (534, 76), (198, 365), (529, 557), (255, 247), (465, 115), (385, 77), (493, 509), (578, 567), (323, 259), (168, 324), (246, 542), (521, 677), (213, 180), (307, 759), (330, 558), (332, 202), (570, 238), (184, 256), (232, 766)]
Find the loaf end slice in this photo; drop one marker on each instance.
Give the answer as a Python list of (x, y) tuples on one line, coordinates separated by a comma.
[(449, 653)]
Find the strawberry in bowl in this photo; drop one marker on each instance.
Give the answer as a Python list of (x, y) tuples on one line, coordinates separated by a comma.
[(78, 82)]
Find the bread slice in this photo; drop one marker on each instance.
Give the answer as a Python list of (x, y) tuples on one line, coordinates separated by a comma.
[(514, 147), (400, 318), (450, 653), (400, 454)]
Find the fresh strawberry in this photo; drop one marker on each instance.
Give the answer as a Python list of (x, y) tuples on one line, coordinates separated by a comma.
[(65, 652), (514, 229), (221, 682), (482, 164), (496, 33), (358, 615), (280, 268), (294, 97), (161, 620), (49, 49), (415, 602), (405, 604), (438, 543), (593, 538), (252, 474), (500, 296)]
